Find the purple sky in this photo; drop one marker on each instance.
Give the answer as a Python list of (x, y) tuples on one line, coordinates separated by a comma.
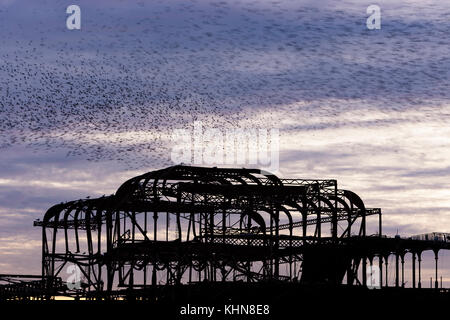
[(82, 111)]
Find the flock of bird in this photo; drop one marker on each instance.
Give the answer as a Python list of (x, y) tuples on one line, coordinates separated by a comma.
[(118, 88)]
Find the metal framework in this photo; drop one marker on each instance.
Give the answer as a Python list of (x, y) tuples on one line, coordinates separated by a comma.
[(188, 225), (185, 224)]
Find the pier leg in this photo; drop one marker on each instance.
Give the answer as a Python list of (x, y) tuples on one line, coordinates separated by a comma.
[(419, 255), (414, 270), (403, 270), (396, 270), (364, 272), (387, 264), (381, 270), (436, 283)]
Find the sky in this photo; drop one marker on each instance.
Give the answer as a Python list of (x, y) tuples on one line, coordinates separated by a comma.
[(83, 110)]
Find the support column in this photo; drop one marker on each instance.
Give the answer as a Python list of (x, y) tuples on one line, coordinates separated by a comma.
[(277, 245), (364, 271), (403, 269), (436, 282), (413, 269), (155, 231), (381, 270), (380, 228), (419, 255), (396, 270), (387, 264), (350, 272)]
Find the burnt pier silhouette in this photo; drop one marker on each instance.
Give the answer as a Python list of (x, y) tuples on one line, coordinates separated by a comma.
[(188, 233)]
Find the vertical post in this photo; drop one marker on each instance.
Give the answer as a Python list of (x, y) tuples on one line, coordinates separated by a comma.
[(304, 219), (167, 226), (277, 234), (381, 269), (155, 229), (145, 262), (224, 223), (335, 223), (248, 228), (396, 270), (319, 214), (436, 283), (364, 271), (133, 229), (145, 222), (403, 269), (290, 253), (180, 236), (90, 246), (414, 270), (99, 245), (349, 220), (363, 222), (350, 272), (109, 241), (380, 225), (419, 256), (213, 262), (387, 264), (44, 255), (295, 269), (271, 244)]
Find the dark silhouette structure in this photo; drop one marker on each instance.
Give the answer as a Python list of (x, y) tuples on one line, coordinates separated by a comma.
[(184, 228)]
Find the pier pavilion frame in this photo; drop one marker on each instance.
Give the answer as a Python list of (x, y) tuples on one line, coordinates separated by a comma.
[(184, 225)]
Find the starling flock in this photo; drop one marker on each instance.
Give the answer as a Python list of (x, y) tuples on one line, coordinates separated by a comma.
[(117, 88)]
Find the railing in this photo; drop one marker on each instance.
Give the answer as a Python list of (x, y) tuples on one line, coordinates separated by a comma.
[(433, 236)]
